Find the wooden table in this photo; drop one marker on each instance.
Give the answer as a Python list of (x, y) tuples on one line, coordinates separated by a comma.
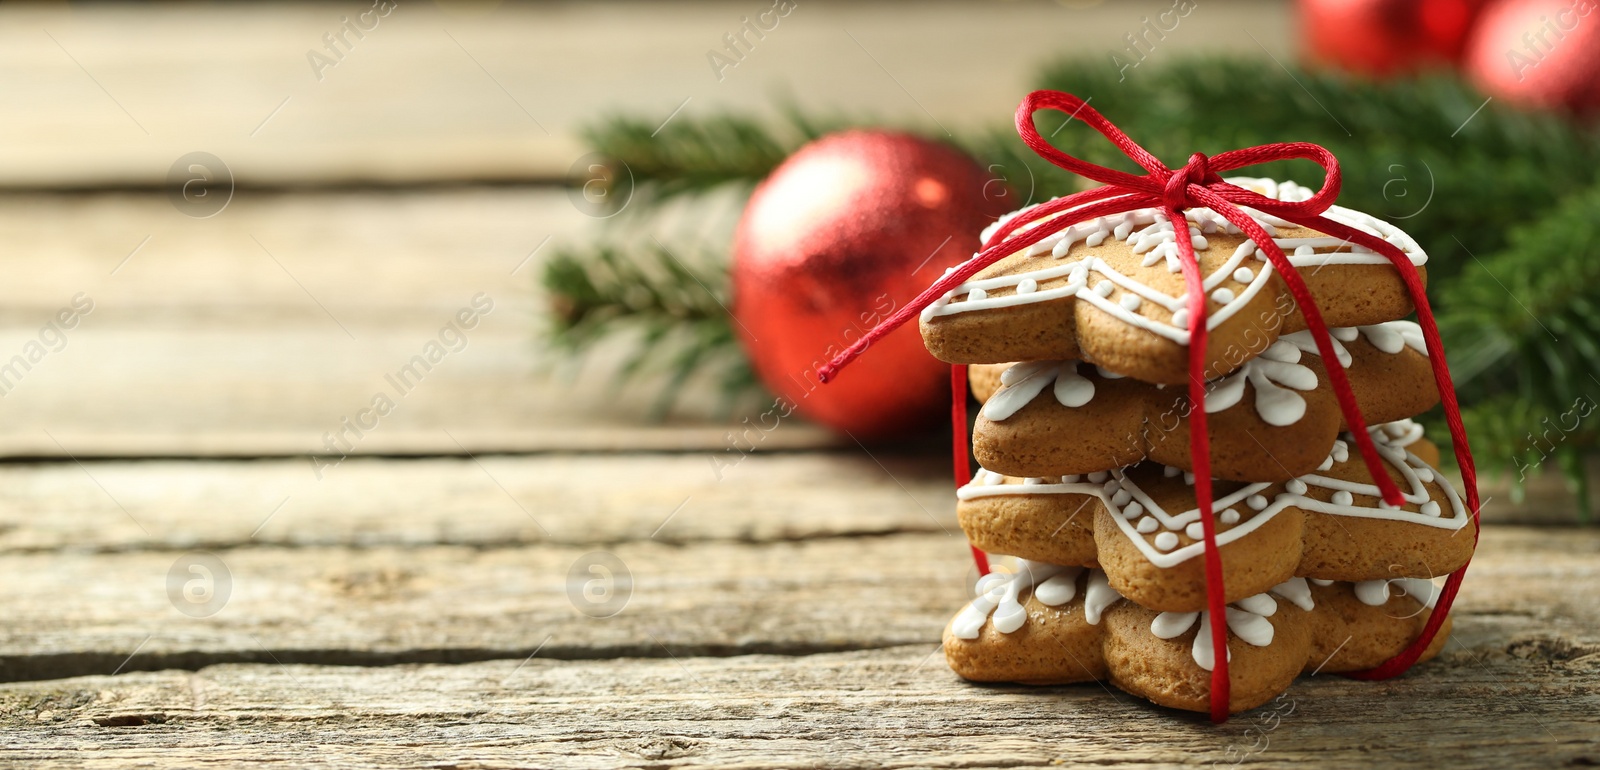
[(423, 601)]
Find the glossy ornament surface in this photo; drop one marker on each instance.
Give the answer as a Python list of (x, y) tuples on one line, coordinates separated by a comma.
[(847, 230)]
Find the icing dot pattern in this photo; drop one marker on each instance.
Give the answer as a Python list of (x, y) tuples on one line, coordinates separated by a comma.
[(1161, 545), (1154, 238)]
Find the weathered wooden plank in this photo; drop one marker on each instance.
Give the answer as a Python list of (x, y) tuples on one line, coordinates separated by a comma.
[(489, 501), (260, 330), (1524, 705), (71, 613), (455, 91), (493, 501), (81, 613)]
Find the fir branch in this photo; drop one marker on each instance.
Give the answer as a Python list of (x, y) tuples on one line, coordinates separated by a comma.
[(1523, 326), (689, 155), (676, 312), (1400, 143), (695, 154)]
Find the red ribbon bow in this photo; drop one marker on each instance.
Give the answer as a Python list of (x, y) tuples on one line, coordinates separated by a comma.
[(1198, 184)]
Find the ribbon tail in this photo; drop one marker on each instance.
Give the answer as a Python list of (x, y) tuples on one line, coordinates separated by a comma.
[(1458, 435), (1357, 424), (1200, 459), (961, 463), (971, 267)]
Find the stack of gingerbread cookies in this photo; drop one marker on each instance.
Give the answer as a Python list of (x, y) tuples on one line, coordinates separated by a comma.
[(1079, 356)]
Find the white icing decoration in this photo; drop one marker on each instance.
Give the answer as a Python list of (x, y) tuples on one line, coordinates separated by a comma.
[(1400, 432), (1098, 597), (1425, 591), (1244, 275), (1250, 626), (1204, 654), (1275, 375), (1022, 383), (1372, 592), (1278, 372), (1147, 525), (1195, 531), (1375, 593), (1260, 604), (1130, 302), (1296, 592), (1229, 516), (1247, 619), (999, 603), (1306, 343), (1164, 551), (1394, 336), (1058, 589), (999, 599), (1152, 235), (1170, 625)]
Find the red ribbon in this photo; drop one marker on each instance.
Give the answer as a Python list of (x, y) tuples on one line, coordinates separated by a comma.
[(1198, 184), (958, 447)]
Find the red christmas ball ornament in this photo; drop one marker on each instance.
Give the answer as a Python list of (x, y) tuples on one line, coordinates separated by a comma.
[(1539, 53), (1386, 37), (846, 231)]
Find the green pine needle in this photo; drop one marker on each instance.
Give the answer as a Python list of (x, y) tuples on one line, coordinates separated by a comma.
[(675, 311)]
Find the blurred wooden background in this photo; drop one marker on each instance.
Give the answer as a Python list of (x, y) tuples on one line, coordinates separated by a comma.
[(421, 171)]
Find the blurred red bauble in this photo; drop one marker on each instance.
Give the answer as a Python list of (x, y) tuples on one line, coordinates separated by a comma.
[(1539, 53), (846, 231), (1386, 37)]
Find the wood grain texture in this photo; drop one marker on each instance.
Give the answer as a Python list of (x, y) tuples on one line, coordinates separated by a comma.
[(487, 502), (71, 613), (1526, 705), (257, 331), (475, 90)]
